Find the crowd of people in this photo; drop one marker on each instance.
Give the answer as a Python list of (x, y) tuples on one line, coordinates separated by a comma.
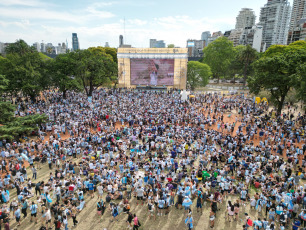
[(127, 148)]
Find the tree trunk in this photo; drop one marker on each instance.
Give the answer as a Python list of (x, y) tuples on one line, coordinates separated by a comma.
[(245, 74), (280, 105), (91, 88), (33, 97), (64, 94), (84, 85)]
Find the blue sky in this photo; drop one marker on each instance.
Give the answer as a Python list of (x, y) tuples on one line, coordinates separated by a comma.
[(97, 22)]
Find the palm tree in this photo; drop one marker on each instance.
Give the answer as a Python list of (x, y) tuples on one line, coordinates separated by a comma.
[(247, 57), (49, 50)]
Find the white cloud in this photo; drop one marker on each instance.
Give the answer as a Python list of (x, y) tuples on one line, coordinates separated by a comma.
[(24, 24), (28, 3), (98, 13), (37, 13), (104, 4)]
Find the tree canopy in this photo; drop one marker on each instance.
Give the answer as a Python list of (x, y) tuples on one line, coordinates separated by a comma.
[(218, 55), (198, 74), (278, 71), (15, 127)]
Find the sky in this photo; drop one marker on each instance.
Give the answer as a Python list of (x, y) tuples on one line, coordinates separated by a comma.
[(100, 21)]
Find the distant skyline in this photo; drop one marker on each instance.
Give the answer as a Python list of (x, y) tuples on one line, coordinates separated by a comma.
[(97, 22)]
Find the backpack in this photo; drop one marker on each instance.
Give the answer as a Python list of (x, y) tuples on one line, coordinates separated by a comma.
[(150, 206)]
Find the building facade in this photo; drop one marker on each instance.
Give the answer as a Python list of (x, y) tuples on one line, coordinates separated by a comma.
[(234, 36), (299, 32), (37, 47), (252, 36), (245, 18), (204, 37), (274, 18), (1, 48), (157, 43), (195, 47), (214, 36), (298, 13), (75, 42)]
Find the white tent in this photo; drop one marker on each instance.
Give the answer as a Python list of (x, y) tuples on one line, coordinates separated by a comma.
[(184, 95)]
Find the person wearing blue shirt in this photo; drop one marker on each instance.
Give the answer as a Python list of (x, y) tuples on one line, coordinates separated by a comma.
[(17, 215), (243, 196), (90, 187), (296, 224), (33, 209), (161, 205)]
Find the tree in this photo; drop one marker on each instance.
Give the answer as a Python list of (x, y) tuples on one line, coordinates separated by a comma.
[(20, 47), (277, 74), (197, 74), (246, 57), (3, 83), (235, 66), (14, 127), (218, 55), (171, 46), (93, 67), (301, 82), (24, 69), (62, 71), (105, 50)]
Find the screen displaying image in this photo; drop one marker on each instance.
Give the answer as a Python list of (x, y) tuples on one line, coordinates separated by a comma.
[(152, 71)]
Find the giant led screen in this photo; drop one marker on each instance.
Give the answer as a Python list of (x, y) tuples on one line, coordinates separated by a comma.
[(152, 71)]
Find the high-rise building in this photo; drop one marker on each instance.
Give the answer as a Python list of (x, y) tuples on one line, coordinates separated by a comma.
[(157, 43), (274, 17), (1, 47), (37, 46), (245, 18), (75, 42), (298, 13), (214, 36), (195, 47), (235, 36), (121, 41), (252, 36), (204, 37), (43, 47), (227, 33), (299, 32), (106, 44)]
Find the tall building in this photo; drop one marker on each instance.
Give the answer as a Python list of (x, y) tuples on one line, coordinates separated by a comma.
[(274, 17), (245, 18), (252, 36), (121, 41), (43, 47), (214, 36), (157, 43), (204, 37), (227, 33), (235, 36), (299, 32), (106, 44), (298, 13), (195, 47), (75, 42), (37, 46), (1, 47)]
